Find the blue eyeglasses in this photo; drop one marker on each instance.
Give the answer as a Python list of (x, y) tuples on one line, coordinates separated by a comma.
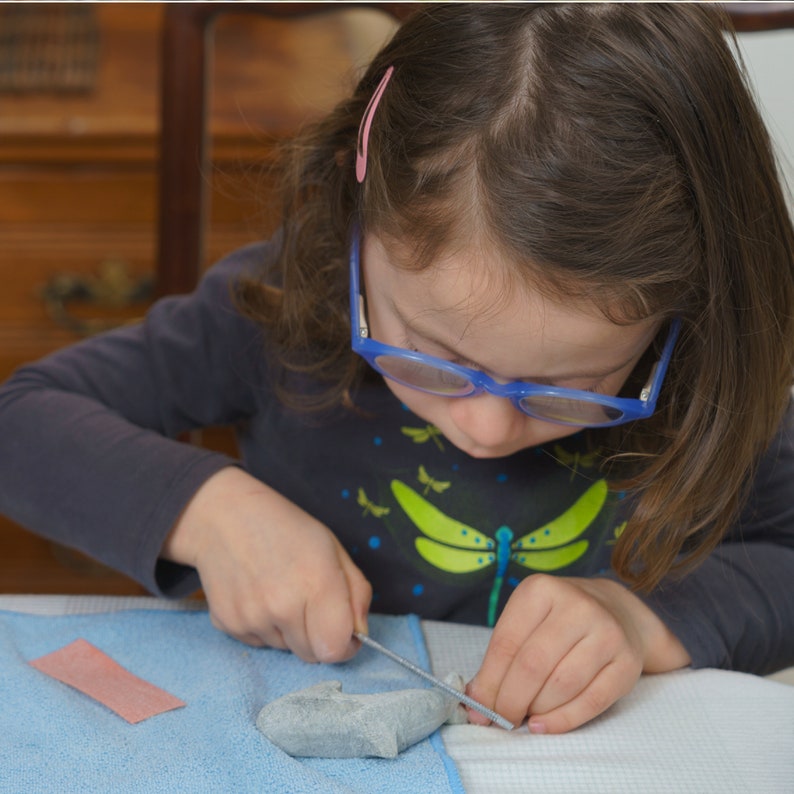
[(443, 378)]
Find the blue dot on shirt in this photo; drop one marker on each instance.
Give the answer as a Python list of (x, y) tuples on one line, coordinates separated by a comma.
[(377, 441), (501, 477), (374, 542), (418, 589), (345, 493)]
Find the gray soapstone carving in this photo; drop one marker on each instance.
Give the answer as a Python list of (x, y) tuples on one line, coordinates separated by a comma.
[(322, 721)]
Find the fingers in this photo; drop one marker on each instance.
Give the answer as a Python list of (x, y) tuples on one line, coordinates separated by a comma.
[(235, 623), (577, 668), (610, 683), (360, 593), (335, 610), (332, 614), (523, 614), (557, 654), (312, 612), (272, 574)]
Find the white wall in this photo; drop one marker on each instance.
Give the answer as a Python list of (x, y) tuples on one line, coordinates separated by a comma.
[(769, 58)]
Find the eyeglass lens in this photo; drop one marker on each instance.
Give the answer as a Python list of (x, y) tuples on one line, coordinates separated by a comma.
[(445, 383), (424, 376), (570, 411)]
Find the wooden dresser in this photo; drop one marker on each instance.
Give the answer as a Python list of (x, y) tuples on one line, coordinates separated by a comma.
[(78, 171)]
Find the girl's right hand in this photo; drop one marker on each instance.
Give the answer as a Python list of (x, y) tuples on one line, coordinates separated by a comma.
[(272, 574)]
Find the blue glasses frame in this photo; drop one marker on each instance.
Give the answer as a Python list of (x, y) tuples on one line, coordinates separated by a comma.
[(370, 350)]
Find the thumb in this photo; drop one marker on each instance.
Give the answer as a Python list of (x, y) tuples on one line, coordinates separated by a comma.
[(360, 594)]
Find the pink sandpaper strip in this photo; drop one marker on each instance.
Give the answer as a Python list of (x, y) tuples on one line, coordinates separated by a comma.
[(83, 666)]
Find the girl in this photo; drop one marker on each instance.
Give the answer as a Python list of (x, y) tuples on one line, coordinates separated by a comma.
[(556, 236)]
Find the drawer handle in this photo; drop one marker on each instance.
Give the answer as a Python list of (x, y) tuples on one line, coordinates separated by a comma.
[(112, 288)]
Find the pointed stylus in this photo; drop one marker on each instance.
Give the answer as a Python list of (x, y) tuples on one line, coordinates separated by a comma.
[(450, 690)]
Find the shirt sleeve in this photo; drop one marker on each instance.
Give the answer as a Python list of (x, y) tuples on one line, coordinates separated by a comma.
[(736, 610), (90, 457)]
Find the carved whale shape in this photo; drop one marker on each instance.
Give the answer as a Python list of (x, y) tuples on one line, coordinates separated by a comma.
[(322, 721)]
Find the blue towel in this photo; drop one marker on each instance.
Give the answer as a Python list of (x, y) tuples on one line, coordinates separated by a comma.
[(54, 738)]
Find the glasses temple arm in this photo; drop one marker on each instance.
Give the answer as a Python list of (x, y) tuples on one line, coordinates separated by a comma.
[(654, 383)]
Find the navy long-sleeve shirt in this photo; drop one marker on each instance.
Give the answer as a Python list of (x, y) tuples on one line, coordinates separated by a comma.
[(89, 458)]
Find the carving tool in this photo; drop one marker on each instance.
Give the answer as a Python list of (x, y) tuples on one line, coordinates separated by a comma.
[(450, 690)]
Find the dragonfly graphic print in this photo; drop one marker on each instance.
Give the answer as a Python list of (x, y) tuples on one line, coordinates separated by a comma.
[(448, 536), (455, 547)]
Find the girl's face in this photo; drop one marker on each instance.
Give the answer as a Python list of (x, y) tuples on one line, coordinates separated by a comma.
[(459, 310)]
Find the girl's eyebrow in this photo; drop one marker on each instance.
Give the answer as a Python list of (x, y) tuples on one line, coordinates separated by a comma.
[(467, 362)]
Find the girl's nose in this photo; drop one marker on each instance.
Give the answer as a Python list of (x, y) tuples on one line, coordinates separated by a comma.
[(489, 421)]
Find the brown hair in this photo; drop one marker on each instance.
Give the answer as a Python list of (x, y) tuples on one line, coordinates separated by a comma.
[(609, 150)]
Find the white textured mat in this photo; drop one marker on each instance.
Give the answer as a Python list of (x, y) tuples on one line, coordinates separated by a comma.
[(697, 731)]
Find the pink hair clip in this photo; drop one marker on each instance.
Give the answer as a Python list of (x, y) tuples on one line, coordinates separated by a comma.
[(366, 123)]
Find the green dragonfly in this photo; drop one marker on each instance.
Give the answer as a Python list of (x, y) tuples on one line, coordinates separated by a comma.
[(454, 547), (421, 435)]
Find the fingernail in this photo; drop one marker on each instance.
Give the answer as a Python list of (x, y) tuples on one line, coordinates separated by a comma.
[(322, 652), (360, 624), (537, 727), (477, 719)]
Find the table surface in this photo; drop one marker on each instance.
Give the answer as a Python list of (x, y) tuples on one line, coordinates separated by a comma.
[(700, 731)]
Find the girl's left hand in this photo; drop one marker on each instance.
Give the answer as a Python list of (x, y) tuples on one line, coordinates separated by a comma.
[(565, 649)]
